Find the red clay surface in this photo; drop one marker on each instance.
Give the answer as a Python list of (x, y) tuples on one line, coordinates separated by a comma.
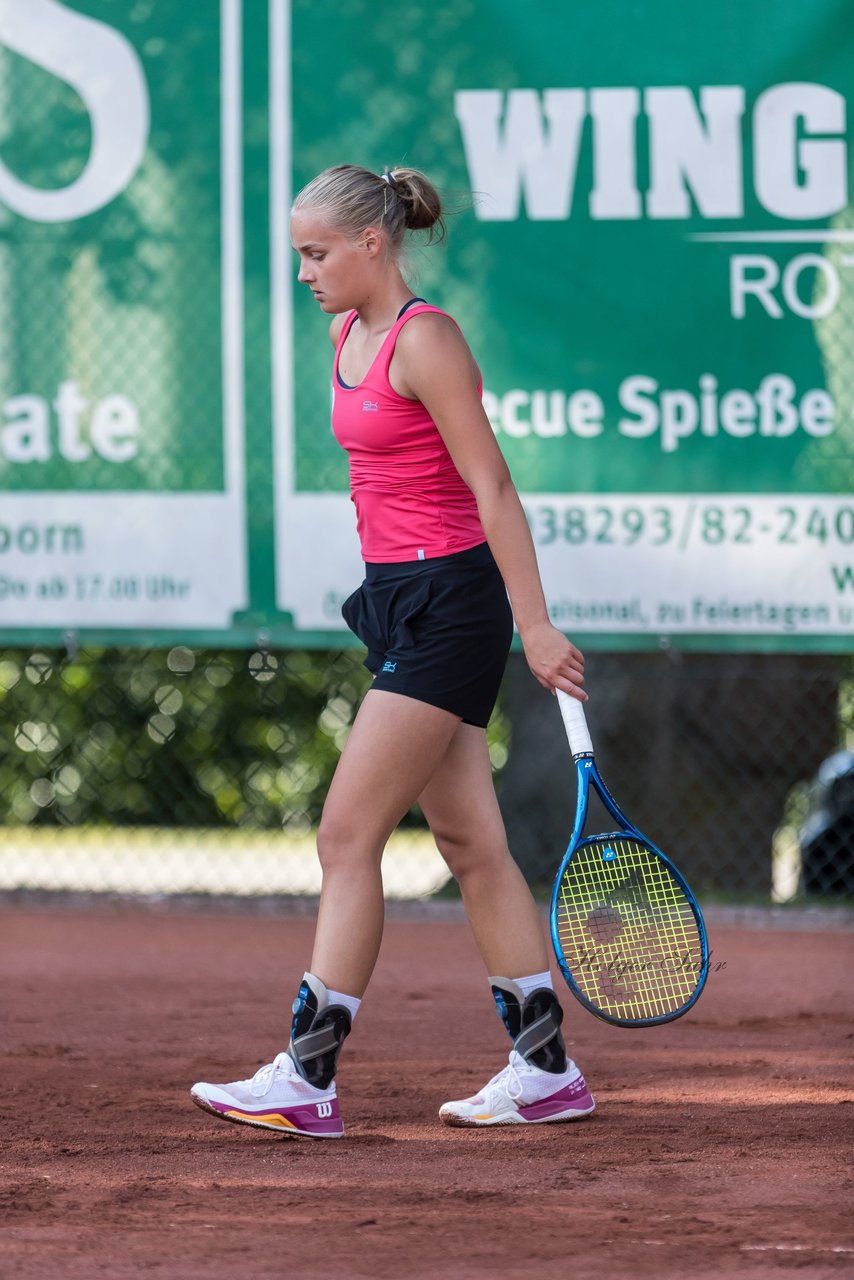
[(721, 1146)]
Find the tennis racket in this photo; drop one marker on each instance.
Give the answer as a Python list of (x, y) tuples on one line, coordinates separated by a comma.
[(628, 934)]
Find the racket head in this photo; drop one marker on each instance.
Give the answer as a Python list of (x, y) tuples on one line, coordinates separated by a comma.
[(627, 932)]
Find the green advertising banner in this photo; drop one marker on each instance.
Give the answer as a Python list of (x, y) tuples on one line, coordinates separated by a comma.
[(651, 256), (121, 318)]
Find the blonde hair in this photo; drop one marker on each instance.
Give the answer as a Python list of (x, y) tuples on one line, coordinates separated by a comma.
[(353, 199)]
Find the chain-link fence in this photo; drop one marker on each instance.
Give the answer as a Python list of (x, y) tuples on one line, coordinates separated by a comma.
[(183, 770)]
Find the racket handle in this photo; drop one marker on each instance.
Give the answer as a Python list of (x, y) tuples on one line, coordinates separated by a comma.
[(575, 723)]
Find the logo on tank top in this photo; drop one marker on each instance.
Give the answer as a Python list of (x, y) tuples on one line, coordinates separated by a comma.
[(370, 406)]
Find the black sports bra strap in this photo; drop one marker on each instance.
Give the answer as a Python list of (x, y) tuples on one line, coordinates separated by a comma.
[(410, 303)]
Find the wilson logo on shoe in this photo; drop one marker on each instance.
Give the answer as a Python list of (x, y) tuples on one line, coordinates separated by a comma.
[(324, 1109)]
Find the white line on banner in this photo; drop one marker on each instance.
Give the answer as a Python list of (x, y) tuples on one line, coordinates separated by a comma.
[(773, 237), (280, 201), (233, 371)]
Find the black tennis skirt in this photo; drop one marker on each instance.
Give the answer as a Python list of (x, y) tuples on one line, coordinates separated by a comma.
[(436, 630)]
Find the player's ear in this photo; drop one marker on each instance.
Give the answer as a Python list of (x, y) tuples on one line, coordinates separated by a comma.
[(371, 241)]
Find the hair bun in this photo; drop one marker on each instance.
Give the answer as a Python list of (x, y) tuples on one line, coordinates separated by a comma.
[(421, 200)]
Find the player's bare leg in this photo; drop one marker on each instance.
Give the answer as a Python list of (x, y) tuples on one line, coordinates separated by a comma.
[(395, 744), (540, 1084), (460, 804)]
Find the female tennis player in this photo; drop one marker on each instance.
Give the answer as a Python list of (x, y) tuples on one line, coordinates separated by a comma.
[(445, 541)]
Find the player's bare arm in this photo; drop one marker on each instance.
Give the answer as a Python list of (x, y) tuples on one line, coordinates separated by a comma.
[(433, 364)]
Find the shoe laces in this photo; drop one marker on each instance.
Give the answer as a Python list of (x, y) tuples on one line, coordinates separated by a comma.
[(263, 1079), (509, 1080)]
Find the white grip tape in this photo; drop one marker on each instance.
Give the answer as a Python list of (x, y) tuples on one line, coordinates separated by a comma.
[(575, 723)]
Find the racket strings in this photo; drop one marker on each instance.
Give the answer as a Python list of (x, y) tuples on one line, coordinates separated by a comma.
[(627, 931)]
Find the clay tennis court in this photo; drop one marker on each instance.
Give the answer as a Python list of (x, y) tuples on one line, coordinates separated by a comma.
[(721, 1146)]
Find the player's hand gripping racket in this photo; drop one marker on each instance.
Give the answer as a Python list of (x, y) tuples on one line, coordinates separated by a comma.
[(629, 937)]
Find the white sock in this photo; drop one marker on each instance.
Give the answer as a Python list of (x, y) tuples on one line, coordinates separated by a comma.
[(351, 1003), (534, 982)]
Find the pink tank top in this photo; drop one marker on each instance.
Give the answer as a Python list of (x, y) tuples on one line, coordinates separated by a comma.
[(411, 502)]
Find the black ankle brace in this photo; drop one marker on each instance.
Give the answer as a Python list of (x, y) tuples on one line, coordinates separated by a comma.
[(533, 1023), (317, 1033)]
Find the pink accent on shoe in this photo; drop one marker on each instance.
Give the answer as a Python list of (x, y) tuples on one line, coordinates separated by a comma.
[(313, 1119), (575, 1097)]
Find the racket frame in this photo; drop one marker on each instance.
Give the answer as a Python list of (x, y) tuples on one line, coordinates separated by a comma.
[(587, 772)]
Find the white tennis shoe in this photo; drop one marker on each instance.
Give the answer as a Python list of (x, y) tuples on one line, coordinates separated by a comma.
[(277, 1097), (523, 1094)]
